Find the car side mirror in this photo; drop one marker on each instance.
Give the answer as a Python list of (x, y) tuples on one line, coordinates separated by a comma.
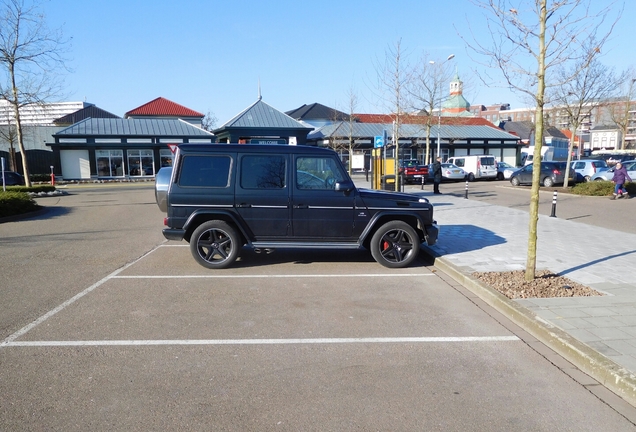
[(345, 186)]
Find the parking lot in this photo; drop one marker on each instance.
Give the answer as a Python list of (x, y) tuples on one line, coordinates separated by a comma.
[(108, 327)]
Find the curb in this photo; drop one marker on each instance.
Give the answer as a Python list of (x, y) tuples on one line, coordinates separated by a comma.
[(611, 375)]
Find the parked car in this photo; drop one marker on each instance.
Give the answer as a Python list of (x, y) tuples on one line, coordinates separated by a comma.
[(607, 175), (12, 178), (220, 198), (476, 166), (413, 171), (450, 172), (505, 170), (551, 173), (588, 167)]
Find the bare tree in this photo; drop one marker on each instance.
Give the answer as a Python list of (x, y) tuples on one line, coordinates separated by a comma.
[(426, 90), (529, 40), (8, 134), (352, 99), (30, 57), (209, 121), (392, 81), (622, 108), (579, 96)]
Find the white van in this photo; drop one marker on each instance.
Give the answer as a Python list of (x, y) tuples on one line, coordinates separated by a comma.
[(476, 166)]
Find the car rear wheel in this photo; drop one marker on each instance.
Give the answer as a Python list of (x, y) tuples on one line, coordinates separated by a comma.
[(471, 177), (395, 244), (500, 176), (548, 182), (588, 178), (215, 244), (515, 181)]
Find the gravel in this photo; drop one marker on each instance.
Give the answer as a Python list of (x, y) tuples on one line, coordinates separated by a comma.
[(545, 285)]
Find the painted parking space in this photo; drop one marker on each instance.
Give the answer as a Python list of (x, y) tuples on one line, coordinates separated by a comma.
[(287, 301)]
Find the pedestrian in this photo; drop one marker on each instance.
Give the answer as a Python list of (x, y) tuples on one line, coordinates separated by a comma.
[(437, 175), (620, 175)]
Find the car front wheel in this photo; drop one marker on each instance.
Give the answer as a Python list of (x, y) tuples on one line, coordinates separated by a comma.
[(395, 244), (548, 182), (515, 181), (215, 244)]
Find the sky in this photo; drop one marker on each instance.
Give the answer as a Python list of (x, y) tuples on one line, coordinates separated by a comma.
[(214, 56)]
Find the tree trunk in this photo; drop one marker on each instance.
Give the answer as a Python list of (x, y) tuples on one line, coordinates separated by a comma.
[(531, 262)]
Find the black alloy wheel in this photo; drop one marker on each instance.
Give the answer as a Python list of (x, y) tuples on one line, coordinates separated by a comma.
[(395, 244), (215, 244)]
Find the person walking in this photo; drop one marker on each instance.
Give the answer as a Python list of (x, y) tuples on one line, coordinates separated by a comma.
[(620, 175), (437, 175)]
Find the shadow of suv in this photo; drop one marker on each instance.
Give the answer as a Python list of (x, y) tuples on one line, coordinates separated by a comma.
[(221, 197)]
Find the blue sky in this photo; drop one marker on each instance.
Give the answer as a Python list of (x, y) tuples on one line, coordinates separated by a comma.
[(210, 55)]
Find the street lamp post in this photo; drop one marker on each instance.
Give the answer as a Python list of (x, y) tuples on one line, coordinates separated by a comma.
[(439, 113)]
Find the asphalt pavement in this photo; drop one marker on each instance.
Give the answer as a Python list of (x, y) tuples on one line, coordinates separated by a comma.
[(597, 334)]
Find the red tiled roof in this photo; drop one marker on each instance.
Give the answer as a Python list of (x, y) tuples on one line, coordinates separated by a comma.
[(163, 107), (420, 119)]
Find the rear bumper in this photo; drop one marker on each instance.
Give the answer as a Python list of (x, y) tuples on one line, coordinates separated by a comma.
[(173, 234)]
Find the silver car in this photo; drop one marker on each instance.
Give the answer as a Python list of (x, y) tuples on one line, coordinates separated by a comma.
[(588, 167), (505, 170), (607, 175)]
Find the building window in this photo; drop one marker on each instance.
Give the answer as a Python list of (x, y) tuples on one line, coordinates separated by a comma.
[(166, 157), (141, 163), (110, 163)]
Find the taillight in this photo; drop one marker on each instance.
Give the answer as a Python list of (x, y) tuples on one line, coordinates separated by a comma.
[(165, 221)]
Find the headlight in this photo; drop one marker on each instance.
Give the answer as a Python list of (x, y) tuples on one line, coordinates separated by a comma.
[(423, 200)]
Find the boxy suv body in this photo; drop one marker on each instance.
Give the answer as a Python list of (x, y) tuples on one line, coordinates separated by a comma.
[(221, 197)]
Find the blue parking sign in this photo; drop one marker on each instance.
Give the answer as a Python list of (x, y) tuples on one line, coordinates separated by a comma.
[(378, 141)]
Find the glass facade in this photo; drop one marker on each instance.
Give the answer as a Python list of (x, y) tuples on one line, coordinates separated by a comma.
[(110, 163), (166, 157), (141, 163)]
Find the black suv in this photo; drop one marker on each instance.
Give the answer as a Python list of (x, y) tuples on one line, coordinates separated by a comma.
[(221, 197)]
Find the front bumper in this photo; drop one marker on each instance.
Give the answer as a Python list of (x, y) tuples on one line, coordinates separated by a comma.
[(432, 231)]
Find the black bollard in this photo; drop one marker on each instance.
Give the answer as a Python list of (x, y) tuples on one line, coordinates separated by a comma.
[(554, 198), (466, 192), (423, 181)]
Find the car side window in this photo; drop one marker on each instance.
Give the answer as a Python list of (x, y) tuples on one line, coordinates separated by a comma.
[(459, 162), (263, 172), (317, 173), (205, 171)]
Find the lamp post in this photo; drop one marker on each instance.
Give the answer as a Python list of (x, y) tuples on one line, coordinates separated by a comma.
[(439, 113)]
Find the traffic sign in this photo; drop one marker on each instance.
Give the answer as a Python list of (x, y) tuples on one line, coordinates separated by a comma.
[(173, 147), (378, 142)]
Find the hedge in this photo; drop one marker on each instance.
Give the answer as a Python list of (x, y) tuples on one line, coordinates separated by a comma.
[(14, 203)]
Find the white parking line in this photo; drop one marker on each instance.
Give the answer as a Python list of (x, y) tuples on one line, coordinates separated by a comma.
[(72, 300), (270, 276), (262, 341)]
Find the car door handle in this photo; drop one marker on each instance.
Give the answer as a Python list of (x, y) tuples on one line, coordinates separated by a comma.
[(301, 206), (243, 205)]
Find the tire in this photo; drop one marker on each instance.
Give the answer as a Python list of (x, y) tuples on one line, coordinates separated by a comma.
[(471, 177), (500, 176), (215, 244), (548, 182), (515, 181), (588, 178), (395, 244)]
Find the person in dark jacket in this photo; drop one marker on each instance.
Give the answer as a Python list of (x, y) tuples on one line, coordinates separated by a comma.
[(620, 175), (437, 175)]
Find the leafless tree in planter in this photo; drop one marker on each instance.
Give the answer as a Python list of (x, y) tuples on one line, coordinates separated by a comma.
[(31, 55), (529, 40), (208, 123), (578, 97)]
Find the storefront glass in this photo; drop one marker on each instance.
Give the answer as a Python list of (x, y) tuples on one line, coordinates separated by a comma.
[(110, 163), (166, 157), (141, 163)]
